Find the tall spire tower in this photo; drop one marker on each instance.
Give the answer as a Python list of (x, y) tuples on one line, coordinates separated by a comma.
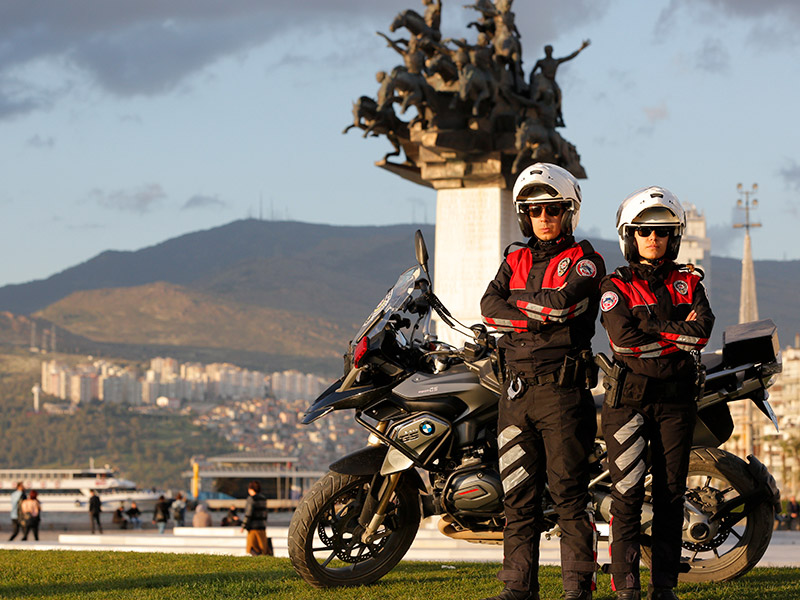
[(748, 305)]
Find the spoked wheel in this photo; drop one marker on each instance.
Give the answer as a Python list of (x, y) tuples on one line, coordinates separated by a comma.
[(325, 541), (741, 532)]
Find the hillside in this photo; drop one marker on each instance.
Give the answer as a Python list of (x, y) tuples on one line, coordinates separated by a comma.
[(279, 295), (167, 314), (226, 258)]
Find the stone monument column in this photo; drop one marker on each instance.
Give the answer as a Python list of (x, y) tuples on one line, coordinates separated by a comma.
[(478, 224)]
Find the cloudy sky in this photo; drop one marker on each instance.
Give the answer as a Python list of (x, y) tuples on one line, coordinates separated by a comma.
[(125, 123)]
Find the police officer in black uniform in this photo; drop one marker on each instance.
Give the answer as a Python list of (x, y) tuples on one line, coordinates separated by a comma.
[(545, 299), (657, 315)]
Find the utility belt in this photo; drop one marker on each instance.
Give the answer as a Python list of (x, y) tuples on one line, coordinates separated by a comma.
[(623, 387), (575, 371)]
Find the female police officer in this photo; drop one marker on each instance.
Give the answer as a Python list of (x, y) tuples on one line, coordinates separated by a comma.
[(656, 313)]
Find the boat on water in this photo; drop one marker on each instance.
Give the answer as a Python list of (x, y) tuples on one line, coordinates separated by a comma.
[(68, 490)]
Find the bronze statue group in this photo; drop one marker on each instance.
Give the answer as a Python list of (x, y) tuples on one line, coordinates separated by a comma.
[(478, 90)]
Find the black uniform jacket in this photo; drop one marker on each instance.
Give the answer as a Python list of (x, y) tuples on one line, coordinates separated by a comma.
[(544, 298), (644, 310)]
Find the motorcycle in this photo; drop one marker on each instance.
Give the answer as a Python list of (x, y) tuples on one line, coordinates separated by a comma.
[(431, 409)]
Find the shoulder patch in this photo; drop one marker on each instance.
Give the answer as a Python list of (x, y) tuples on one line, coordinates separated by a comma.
[(563, 266), (681, 287), (608, 301), (586, 268)]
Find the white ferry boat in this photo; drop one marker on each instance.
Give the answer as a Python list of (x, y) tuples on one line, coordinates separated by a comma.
[(68, 490)]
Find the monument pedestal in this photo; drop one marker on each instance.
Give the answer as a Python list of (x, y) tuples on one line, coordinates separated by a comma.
[(473, 228)]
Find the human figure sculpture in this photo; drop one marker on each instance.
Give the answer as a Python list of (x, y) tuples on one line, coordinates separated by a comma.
[(546, 78), (410, 50), (433, 13), (507, 46)]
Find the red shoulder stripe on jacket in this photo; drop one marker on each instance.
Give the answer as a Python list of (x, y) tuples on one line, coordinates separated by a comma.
[(637, 292), (520, 262)]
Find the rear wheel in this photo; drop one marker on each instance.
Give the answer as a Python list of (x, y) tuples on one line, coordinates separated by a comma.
[(717, 477), (325, 544)]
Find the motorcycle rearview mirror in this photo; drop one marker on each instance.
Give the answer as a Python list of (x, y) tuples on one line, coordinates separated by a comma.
[(421, 251)]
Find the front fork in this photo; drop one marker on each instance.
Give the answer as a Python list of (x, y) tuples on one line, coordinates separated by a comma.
[(375, 518), (375, 506)]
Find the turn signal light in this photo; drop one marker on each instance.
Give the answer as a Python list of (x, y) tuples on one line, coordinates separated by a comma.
[(360, 351)]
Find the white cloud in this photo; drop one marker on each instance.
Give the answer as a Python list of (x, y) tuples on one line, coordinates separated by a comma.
[(141, 201)]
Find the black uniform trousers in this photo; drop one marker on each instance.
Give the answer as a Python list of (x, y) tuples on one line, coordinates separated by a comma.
[(545, 436), (667, 427)]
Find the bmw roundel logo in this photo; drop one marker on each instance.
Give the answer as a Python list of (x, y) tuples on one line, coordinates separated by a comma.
[(426, 428)]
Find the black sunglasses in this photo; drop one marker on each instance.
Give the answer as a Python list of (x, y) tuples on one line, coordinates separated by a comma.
[(661, 232), (552, 210)]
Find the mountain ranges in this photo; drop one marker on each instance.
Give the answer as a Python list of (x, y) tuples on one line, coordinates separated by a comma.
[(275, 295)]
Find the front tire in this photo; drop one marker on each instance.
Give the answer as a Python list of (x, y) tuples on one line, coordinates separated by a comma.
[(715, 477), (325, 544)]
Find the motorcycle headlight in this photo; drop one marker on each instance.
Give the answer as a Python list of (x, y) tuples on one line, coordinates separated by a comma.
[(360, 351)]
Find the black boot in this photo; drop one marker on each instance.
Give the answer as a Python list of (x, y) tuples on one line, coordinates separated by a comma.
[(508, 594), (659, 593), (629, 594), (578, 595)]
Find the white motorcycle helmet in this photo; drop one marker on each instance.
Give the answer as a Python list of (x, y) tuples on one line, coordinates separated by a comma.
[(655, 206), (544, 183)]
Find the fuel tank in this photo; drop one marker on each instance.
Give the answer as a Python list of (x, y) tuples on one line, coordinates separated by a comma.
[(457, 382)]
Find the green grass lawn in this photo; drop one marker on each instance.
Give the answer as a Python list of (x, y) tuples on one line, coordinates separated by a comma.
[(125, 575)]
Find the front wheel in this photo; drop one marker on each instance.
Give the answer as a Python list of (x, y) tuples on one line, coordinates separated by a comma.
[(716, 477), (325, 544)]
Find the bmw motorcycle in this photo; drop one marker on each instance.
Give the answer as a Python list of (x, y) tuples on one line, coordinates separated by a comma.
[(431, 413)]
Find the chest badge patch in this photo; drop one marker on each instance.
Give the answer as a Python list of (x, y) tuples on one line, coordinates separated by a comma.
[(563, 266), (586, 268), (681, 287), (608, 301)]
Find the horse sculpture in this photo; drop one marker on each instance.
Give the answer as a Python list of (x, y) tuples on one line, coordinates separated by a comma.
[(411, 88), (415, 23), (375, 122)]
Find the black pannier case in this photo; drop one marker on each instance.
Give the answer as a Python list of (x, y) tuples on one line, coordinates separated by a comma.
[(753, 342)]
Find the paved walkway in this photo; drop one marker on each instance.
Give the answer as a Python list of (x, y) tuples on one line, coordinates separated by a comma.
[(429, 545)]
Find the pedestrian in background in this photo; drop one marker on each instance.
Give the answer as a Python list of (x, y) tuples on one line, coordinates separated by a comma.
[(31, 511), (95, 508), (17, 496), (255, 520), (178, 510), (202, 518), (161, 514), (119, 517), (134, 516), (793, 511)]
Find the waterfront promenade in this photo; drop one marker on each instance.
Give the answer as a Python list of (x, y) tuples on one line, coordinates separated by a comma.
[(429, 545)]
